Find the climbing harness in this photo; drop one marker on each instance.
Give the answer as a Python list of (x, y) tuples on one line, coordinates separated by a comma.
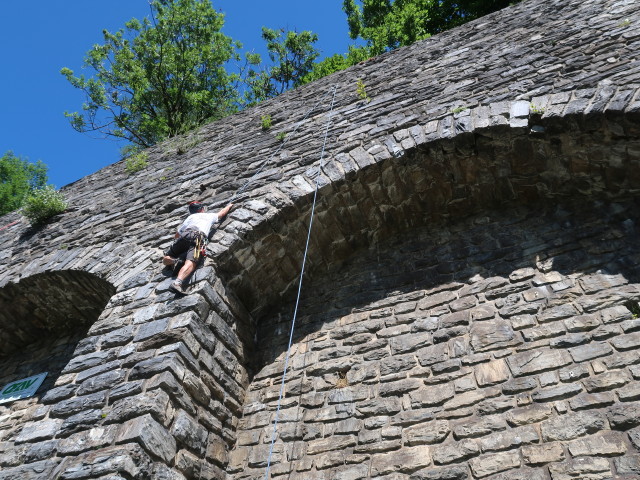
[(200, 249), (295, 310)]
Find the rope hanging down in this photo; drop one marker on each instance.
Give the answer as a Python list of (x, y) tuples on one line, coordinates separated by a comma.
[(295, 310), (306, 249)]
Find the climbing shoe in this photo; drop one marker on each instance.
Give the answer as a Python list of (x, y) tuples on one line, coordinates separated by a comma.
[(177, 287)]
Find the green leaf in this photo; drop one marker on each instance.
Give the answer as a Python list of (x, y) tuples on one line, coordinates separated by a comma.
[(389, 24)]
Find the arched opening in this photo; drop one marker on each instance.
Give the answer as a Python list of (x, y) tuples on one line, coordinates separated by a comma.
[(48, 305), (430, 185), (426, 341), (44, 320), (438, 281)]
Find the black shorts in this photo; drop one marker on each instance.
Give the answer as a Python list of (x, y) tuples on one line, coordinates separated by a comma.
[(184, 246)]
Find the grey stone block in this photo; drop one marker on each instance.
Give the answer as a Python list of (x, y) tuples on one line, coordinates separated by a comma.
[(624, 416), (152, 436), (85, 362), (36, 470), (606, 381), (455, 453), (571, 425), (406, 460), (81, 421), (495, 463), (488, 336), (427, 433), (42, 430), (528, 363), (508, 439), (596, 468), (186, 431), (556, 393), (92, 439), (588, 401)]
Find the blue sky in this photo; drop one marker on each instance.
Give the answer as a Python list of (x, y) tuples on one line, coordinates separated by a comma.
[(40, 37)]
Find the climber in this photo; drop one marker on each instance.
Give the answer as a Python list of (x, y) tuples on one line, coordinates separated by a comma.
[(190, 242)]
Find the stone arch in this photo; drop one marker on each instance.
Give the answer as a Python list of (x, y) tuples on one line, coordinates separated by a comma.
[(44, 320), (445, 200), (366, 198), (50, 304), (445, 349)]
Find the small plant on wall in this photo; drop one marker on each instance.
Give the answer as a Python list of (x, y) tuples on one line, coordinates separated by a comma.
[(42, 204), (536, 110), (136, 162), (361, 91), (342, 380), (265, 122)]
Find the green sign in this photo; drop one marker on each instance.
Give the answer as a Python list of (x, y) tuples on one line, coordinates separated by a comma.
[(24, 388)]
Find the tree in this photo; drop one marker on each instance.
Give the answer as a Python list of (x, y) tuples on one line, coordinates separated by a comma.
[(160, 77), (337, 62), (18, 178), (292, 55), (388, 24)]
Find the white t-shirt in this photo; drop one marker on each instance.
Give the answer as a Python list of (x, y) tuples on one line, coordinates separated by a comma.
[(200, 221)]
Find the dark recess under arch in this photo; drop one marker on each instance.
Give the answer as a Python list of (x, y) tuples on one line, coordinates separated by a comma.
[(49, 305)]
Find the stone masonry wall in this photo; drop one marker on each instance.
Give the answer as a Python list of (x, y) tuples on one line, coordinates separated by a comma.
[(153, 388), (506, 346), (529, 108)]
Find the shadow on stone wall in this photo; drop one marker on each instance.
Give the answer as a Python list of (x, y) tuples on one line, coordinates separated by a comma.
[(50, 305), (431, 185), (571, 239), (435, 330), (44, 321), (49, 355)]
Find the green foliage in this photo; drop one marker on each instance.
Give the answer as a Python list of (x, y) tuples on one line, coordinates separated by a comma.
[(361, 90), (291, 54), (159, 77), (536, 110), (389, 24), (42, 204), (633, 307), (18, 177), (337, 62), (136, 162), (281, 136), (265, 122), (459, 109), (129, 150), (182, 144)]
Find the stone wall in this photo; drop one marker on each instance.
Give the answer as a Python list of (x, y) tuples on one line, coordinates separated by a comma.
[(508, 342), (481, 176)]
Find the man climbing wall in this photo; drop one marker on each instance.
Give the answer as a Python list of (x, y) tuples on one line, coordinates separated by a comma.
[(191, 239)]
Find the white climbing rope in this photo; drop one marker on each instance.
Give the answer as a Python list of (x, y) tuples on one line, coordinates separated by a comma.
[(295, 310)]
